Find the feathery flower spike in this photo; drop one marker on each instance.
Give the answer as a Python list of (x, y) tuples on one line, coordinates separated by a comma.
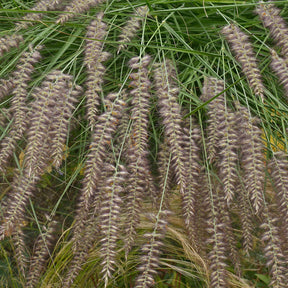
[(131, 27), (6, 87), (124, 126), (43, 5), (21, 77), (269, 15), (20, 247), (59, 127), (37, 149), (19, 84), (41, 118), (140, 181), (278, 166), (216, 108), (8, 42), (275, 259), (101, 138), (42, 248), (166, 175), (228, 153), (192, 153), (96, 32), (169, 108), (77, 7), (222, 138), (109, 217), (202, 202), (251, 159), (243, 50), (91, 232), (218, 241), (151, 251), (94, 57), (5, 116), (280, 67), (245, 213), (138, 150), (226, 219)]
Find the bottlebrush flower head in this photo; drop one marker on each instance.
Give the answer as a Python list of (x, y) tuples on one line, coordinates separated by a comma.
[(20, 247), (6, 87), (216, 108), (100, 143), (169, 108), (131, 27), (43, 5), (75, 7), (151, 250), (109, 217), (140, 182), (216, 229), (251, 156), (275, 260), (21, 77), (278, 168), (96, 33), (192, 153), (271, 19), (37, 149), (246, 216), (62, 117), (8, 42), (140, 105), (94, 58), (243, 50), (280, 66), (42, 251), (18, 86), (228, 153)]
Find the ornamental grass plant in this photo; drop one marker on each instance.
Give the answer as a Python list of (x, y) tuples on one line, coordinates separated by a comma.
[(143, 144)]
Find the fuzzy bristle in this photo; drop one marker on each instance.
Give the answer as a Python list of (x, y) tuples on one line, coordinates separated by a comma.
[(169, 108), (243, 50), (30, 18), (101, 140), (94, 58), (151, 251), (9, 41), (280, 67), (35, 159), (76, 7), (271, 19), (19, 89), (131, 27), (140, 181), (251, 157)]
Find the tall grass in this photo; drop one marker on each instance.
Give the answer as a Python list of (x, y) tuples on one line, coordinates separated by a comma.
[(143, 144)]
